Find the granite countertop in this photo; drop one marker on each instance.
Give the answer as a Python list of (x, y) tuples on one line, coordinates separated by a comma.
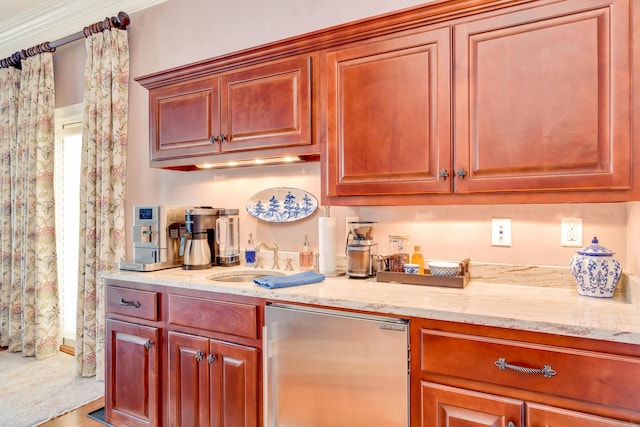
[(541, 299)]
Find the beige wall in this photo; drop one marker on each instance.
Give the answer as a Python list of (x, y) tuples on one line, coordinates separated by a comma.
[(183, 31)]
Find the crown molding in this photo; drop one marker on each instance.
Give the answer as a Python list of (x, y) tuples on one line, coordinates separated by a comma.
[(54, 19)]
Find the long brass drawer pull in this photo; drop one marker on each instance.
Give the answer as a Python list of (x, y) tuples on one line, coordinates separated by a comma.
[(124, 303), (547, 371)]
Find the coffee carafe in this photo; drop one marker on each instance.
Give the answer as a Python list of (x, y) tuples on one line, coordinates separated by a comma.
[(361, 250), (198, 246), (228, 237)]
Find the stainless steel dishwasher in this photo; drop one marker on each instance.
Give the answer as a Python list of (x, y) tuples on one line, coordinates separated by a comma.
[(326, 368)]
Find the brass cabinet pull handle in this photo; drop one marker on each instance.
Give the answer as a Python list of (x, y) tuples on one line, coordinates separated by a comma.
[(547, 371), (124, 303)]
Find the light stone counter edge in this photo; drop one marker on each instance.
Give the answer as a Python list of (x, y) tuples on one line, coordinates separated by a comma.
[(539, 299)]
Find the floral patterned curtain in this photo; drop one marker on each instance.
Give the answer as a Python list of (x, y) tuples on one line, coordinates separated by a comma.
[(33, 289), (102, 187), (9, 90)]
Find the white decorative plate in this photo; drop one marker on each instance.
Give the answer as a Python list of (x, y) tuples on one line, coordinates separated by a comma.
[(282, 204)]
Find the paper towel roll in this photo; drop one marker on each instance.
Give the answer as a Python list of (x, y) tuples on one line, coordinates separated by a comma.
[(327, 245)]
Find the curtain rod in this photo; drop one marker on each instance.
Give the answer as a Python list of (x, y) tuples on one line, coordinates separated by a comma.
[(121, 21)]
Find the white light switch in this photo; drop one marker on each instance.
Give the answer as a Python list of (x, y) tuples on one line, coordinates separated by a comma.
[(501, 231)]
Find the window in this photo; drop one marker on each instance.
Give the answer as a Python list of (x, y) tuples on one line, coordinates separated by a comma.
[(68, 151)]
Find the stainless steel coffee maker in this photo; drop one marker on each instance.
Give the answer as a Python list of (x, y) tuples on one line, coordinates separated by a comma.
[(156, 231), (198, 245), (361, 250)]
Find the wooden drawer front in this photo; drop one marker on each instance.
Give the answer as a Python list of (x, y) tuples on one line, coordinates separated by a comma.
[(217, 316), (132, 302), (586, 375)]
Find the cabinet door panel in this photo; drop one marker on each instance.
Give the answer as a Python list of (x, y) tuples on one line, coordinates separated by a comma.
[(267, 106), (444, 406), (542, 98), (132, 374), (188, 380), (547, 416), (186, 116), (388, 122), (234, 384)]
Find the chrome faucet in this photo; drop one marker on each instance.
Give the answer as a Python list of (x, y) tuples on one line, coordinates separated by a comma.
[(275, 249)]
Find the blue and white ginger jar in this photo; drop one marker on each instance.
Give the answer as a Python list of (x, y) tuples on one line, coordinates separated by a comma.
[(595, 270)]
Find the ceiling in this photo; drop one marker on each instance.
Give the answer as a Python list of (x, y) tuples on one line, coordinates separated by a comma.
[(26, 23)]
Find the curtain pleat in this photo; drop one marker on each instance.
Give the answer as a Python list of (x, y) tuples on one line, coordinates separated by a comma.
[(31, 284), (9, 93), (102, 188)]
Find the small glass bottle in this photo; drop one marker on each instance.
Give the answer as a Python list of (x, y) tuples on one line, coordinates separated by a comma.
[(306, 255), (250, 252), (417, 258)]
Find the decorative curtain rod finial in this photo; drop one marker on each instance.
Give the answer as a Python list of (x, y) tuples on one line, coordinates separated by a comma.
[(123, 20)]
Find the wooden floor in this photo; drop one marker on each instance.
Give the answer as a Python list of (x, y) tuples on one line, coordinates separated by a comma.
[(78, 418)]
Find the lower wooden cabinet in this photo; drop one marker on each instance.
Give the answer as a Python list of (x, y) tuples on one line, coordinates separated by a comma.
[(211, 382), (444, 406), (133, 395), (546, 416), (465, 375), (178, 357)]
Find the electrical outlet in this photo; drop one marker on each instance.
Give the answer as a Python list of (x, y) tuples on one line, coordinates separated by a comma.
[(571, 232), (501, 231)]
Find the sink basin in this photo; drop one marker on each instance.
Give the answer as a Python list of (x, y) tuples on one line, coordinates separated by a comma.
[(243, 276)]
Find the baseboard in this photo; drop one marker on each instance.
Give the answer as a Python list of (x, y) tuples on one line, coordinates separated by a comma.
[(67, 349)]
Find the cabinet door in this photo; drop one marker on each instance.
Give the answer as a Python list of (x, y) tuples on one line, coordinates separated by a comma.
[(444, 406), (132, 374), (188, 380), (547, 416), (183, 117), (542, 98), (267, 106), (234, 385), (388, 116)]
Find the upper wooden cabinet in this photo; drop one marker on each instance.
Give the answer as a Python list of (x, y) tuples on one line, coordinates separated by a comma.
[(182, 118), (542, 98), (388, 115), (260, 107), (267, 106), (450, 102), (511, 102)]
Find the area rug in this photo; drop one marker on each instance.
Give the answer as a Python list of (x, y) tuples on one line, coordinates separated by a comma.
[(34, 391)]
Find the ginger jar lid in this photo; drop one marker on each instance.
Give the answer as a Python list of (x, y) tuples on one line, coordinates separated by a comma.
[(594, 249)]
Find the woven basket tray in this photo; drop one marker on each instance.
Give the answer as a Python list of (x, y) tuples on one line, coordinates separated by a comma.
[(459, 281)]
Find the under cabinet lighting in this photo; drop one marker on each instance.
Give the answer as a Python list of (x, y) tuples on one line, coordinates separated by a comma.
[(253, 162)]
